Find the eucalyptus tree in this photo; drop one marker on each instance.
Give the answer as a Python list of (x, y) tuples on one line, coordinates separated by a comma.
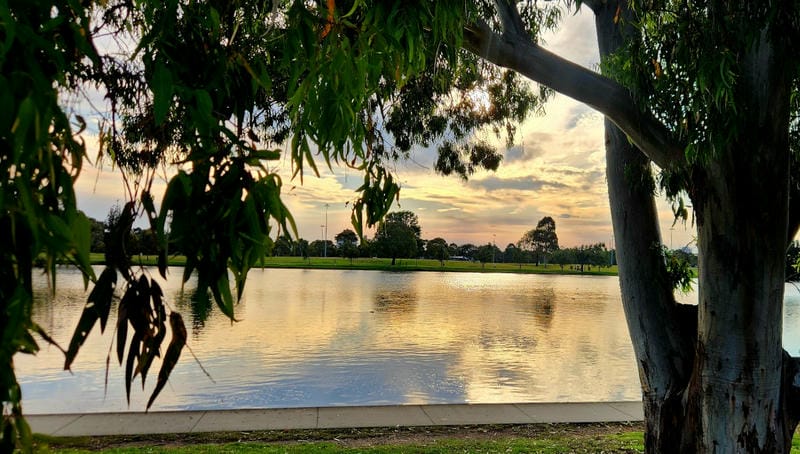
[(437, 249), (346, 237), (398, 236), (212, 89), (347, 244), (485, 254), (513, 254), (542, 240)]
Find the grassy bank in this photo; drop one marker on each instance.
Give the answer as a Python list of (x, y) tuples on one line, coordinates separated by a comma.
[(539, 438), (380, 264), (529, 438)]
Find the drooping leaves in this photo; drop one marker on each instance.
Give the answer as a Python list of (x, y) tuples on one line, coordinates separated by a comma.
[(45, 48), (143, 308), (97, 307), (173, 353), (219, 87)]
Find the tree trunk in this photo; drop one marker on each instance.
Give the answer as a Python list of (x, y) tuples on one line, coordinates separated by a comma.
[(661, 330), (714, 377), (742, 201), (730, 392)]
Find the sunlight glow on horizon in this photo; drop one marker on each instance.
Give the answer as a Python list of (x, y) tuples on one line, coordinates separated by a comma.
[(556, 169)]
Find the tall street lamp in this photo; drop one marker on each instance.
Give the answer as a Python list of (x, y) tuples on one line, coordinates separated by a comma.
[(494, 246), (325, 234), (322, 233)]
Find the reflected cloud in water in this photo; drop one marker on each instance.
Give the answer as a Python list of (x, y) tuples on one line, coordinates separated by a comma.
[(328, 337)]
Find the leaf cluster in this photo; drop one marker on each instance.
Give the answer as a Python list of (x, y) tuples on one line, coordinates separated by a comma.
[(692, 65), (44, 48), (687, 66), (217, 91)]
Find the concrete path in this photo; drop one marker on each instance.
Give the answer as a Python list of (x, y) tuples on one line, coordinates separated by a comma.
[(70, 425)]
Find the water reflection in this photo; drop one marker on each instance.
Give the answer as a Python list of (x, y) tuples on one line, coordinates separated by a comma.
[(317, 338), (540, 304), (395, 301), (200, 304)]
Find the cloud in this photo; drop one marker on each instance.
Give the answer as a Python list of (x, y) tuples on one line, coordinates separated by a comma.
[(556, 168), (523, 152), (495, 183)]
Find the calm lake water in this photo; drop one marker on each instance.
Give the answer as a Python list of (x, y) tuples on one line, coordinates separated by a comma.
[(327, 338)]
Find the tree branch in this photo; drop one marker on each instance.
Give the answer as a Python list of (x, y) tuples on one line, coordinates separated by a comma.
[(509, 17), (594, 5), (518, 53)]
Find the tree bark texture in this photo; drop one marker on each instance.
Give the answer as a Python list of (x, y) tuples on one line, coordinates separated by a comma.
[(714, 377), (742, 202), (736, 398), (661, 330)]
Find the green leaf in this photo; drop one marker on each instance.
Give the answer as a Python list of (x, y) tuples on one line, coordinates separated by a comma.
[(82, 235), (222, 295), (204, 104), (173, 354), (88, 318), (27, 344), (97, 306), (26, 115), (267, 155), (60, 232), (133, 354), (122, 329), (102, 294), (162, 92)]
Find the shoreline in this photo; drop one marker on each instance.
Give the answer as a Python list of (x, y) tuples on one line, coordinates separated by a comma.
[(402, 265), (324, 418)]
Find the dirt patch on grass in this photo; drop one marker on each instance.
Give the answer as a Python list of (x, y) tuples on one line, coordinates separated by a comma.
[(365, 437)]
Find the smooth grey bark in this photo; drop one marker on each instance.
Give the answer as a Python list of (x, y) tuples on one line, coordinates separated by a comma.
[(715, 377), (742, 203), (661, 331), (516, 51)]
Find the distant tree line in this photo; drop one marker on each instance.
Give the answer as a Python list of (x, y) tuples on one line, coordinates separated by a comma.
[(400, 237), (139, 241)]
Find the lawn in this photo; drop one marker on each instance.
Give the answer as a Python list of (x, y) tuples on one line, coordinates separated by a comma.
[(531, 438), (401, 265), (536, 438)]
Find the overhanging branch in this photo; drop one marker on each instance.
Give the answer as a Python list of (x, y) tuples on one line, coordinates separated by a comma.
[(517, 52)]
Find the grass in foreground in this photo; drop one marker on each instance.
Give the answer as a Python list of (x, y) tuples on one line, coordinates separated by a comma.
[(541, 438), (533, 438)]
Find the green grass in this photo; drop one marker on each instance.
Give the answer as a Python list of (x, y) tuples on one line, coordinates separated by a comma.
[(546, 442), (626, 442), (381, 264)]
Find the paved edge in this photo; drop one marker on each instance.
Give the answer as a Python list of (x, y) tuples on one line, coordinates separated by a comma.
[(97, 424)]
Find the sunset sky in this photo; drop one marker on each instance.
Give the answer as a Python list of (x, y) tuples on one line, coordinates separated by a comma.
[(556, 168)]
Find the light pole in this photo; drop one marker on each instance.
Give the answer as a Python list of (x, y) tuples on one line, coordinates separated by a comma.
[(670, 237), (322, 233), (325, 235), (494, 246)]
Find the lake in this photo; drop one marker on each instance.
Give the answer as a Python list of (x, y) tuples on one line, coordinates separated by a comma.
[(346, 337)]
